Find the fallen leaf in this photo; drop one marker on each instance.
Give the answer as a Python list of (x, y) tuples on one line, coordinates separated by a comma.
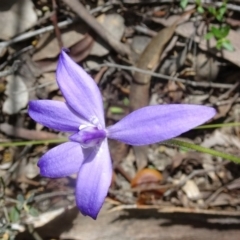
[(47, 46)]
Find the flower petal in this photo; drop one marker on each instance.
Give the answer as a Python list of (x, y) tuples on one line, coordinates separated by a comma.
[(79, 89), (54, 114), (93, 181), (61, 161), (159, 123)]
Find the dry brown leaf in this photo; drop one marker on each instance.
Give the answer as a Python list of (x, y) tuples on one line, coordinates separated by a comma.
[(47, 46)]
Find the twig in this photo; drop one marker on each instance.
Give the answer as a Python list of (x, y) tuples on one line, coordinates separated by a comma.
[(32, 231), (11, 70), (157, 75), (165, 77), (170, 209), (55, 24), (25, 133), (190, 176), (214, 195), (145, 30), (28, 35), (80, 10), (227, 94), (15, 55), (44, 196)]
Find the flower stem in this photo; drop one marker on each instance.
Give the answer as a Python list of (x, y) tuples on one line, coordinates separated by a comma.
[(234, 124), (198, 148)]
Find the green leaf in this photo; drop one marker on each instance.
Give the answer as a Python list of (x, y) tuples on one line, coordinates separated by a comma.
[(198, 2), (30, 198), (198, 148), (33, 211), (20, 198), (212, 10), (209, 35), (220, 33), (222, 10), (116, 110), (126, 101), (183, 3), (216, 32), (219, 45), (14, 214), (224, 31), (200, 9), (228, 45), (19, 206)]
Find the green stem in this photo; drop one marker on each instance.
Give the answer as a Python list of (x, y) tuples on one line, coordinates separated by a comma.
[(234, 124), (203, 149)]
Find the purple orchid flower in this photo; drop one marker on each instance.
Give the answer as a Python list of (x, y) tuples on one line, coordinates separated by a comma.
[(87, 151)]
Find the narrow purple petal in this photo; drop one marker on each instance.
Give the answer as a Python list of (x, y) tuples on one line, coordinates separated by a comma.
[(61, 161), (159, 123), (55, 114), (79, 89), (93, 181)]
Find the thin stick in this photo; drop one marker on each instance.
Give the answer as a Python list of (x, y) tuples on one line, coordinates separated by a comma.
[(165, 77), (28, 35), (55, 24), (11, 70), (62, 24)]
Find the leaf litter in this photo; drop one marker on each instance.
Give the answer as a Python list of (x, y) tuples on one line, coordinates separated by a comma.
[(171, 179)]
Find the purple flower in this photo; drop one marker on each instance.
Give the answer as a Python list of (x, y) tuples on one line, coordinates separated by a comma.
[(87, 151)]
